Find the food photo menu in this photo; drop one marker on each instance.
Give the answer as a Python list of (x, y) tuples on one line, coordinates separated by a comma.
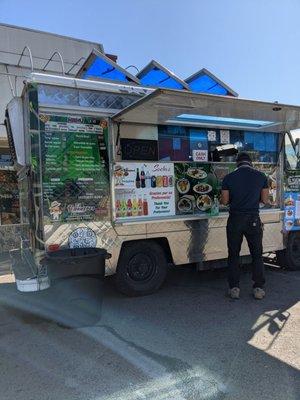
[(198, 187)]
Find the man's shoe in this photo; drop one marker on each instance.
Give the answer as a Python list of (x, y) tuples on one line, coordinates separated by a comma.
[(234, 293), (259, 293)]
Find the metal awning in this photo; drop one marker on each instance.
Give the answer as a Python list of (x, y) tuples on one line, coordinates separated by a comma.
[(165, 106)]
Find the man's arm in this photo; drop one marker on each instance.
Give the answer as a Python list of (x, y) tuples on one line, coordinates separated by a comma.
[(264, 196), (225, 192), (225, 197)]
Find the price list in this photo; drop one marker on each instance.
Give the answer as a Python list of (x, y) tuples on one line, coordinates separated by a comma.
[(75, 177)]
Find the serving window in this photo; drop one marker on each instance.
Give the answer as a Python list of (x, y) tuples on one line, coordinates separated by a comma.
[(166, 170)]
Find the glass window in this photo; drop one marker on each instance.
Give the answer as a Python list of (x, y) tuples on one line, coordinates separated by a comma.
[(177, 143), (174, 143)]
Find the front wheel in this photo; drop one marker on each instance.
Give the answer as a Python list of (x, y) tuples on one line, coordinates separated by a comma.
[(290, 257), (142, 268)]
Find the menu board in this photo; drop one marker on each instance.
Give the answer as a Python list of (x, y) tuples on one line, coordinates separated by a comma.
[(292, 201), (144, 190), (75, 171)]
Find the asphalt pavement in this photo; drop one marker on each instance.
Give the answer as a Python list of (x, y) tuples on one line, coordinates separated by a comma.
[(80, 341)]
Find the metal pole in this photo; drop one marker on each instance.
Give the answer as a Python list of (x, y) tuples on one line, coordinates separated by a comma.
[(61, 60), (30, 56), (10, 82), (74, 65), (133, 66)]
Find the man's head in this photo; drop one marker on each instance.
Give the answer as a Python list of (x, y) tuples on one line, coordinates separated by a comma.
[(243, 158)]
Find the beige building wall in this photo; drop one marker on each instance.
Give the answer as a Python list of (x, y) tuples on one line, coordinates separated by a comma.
[(42, 45)]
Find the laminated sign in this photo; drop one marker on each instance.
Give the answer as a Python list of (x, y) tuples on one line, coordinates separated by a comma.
[(144, 190), (200, 155)]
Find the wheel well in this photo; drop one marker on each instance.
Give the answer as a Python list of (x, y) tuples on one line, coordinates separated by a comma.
[(162, 242)]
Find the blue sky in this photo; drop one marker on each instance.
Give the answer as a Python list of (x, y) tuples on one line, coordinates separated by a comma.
[(252, 45)]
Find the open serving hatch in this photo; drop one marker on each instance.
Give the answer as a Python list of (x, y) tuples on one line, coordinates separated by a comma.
[(177, 107)]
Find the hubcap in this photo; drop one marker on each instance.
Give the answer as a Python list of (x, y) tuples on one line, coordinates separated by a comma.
[(141, 268)]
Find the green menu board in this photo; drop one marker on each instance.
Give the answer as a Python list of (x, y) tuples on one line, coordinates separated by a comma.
[(75, 170)]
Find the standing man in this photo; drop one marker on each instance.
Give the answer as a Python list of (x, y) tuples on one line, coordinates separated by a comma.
[(243, 189)]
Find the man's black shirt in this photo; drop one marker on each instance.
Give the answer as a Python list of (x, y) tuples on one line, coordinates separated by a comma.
[(245, 185)]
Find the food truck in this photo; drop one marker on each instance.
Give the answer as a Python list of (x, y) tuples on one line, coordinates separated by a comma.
[(138, 171)]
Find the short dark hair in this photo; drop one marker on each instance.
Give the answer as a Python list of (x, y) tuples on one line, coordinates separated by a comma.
[(243, 158)]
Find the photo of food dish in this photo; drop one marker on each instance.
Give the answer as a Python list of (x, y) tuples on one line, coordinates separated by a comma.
[(185, 205), (221, 172), (190, 197), (204, 202), (289, 201), (183, 186), (202, 188), (289, 225), (196, 173)]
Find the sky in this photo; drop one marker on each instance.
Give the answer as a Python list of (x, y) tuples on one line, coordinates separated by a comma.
[(251, 45)]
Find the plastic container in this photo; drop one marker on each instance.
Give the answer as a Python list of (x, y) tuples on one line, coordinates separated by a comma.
[(73, 262)]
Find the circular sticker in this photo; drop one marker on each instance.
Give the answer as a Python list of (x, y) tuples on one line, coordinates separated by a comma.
[(82, 237)]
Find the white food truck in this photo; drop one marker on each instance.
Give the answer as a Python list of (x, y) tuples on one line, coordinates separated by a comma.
[(138, 172)]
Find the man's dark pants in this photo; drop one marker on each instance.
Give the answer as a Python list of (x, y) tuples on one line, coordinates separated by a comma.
[(250, 226)]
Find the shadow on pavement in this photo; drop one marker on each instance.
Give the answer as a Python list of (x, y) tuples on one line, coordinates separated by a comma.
[(188, 341)]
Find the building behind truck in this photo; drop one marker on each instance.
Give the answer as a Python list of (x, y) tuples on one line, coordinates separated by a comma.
[(23, 50)]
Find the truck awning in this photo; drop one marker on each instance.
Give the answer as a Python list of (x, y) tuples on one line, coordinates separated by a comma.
[(176, 107)]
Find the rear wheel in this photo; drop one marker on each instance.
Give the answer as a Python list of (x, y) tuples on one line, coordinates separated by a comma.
[(142, 268), (290, 257)]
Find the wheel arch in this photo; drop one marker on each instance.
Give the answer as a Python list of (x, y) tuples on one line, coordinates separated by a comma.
[(161, 241)]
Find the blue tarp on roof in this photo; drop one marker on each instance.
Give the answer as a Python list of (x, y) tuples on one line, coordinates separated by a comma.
[(156, 75), (101, 67), (205, 82)]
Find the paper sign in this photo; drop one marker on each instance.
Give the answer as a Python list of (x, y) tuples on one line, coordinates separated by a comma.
[(211, 136), (200, 155), (224, 136)]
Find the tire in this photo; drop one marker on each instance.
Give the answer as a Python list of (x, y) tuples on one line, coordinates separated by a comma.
[(142, 268), (290, 257)]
